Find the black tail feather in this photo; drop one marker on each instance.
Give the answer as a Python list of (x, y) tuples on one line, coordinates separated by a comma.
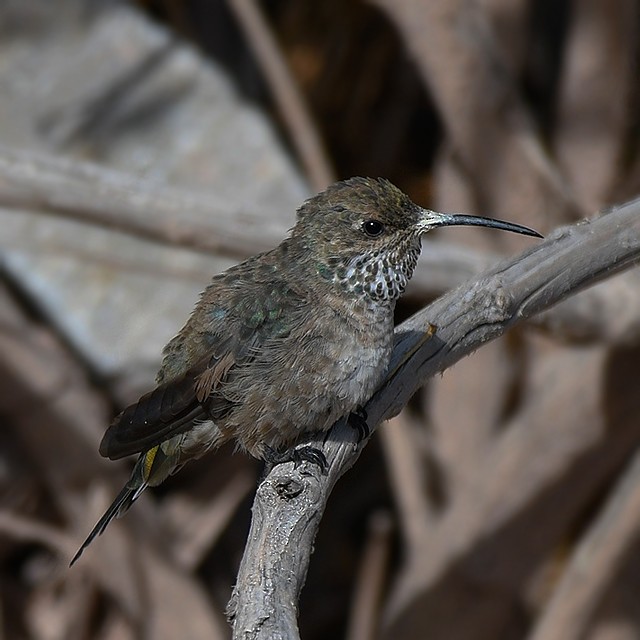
[(118, 507)]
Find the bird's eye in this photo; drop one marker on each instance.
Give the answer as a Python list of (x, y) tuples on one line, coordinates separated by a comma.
[(373, 228)]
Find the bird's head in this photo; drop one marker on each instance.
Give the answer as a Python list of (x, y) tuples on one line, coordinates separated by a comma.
[(364, 233)]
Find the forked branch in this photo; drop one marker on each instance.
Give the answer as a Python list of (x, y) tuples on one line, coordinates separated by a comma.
[(289, 502)]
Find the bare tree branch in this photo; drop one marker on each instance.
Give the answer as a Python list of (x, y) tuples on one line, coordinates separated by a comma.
[(290, 501), (366, 606), (458, 56), (116, 200), (595, 562), (287, 96), (407, 478), (92, 194), (593, 103), (65, 415)]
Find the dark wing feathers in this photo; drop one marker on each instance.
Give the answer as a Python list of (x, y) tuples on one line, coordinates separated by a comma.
[(158, 415), (174, 405)]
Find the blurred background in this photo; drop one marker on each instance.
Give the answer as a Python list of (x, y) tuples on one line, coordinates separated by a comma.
[(146, 145)]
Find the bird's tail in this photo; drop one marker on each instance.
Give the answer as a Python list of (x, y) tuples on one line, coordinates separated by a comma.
[(129, 494), (152, 468)]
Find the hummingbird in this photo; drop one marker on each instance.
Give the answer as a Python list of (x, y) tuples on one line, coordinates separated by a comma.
[(284, 343)]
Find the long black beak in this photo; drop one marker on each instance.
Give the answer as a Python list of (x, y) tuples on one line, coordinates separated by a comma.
[(434, 219)]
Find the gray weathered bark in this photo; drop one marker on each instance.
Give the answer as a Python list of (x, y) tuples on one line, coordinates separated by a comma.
[(290, 501)]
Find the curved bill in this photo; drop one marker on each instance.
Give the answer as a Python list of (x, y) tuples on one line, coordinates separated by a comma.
[(434, 219)]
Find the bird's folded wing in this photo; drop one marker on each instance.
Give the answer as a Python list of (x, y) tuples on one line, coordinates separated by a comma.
[(158, 415), (171, 408)]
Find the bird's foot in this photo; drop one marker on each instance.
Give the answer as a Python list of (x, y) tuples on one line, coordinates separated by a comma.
[(358, 420), (297, 456)]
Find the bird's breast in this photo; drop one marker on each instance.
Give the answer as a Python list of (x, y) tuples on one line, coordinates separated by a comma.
[(324, 370), (359, 362)]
